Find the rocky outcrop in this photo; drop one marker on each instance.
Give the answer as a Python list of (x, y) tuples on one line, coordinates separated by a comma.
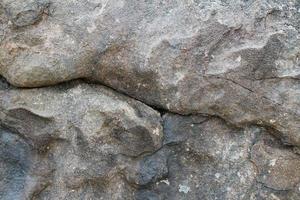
[(114, 99), (226, 59), (79, 141), (71, 137)]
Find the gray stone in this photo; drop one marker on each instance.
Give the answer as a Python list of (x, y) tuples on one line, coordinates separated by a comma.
[(14, 165), (149, 169), (25, 13), (177, 99), (234, 59), (217, 161), (76, 137), (83, 141)]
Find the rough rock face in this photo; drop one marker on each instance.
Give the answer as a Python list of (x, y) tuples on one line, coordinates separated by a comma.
[(73, 137), (177, 99)]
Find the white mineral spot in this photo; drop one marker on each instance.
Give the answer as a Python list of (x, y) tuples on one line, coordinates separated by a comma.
[(179, 76), (243, 180), (272, 121), (273, 162), (156, 131), (183, 188), (217, 175), (168, 105), (274, 197), (165, 181), (238, 59), (104, 4), (206, 53), (281, 31)]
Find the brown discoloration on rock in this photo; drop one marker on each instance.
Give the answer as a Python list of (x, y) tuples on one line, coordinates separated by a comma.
[(231, 67)]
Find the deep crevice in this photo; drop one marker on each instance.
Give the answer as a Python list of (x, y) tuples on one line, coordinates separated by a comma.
[(4, 84), (159, 109)]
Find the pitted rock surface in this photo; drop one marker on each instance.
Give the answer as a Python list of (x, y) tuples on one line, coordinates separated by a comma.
[(162, 99)]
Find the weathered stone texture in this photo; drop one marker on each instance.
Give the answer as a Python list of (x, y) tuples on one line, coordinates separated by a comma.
[(160, 99)]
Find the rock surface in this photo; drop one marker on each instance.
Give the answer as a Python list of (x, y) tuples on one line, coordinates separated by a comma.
[(177, 99), (67, 140), (235, 59)]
